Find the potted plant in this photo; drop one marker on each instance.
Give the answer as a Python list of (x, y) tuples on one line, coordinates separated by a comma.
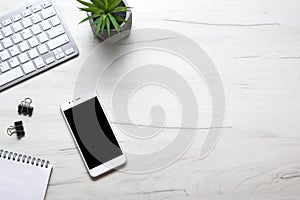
[(107, 17)]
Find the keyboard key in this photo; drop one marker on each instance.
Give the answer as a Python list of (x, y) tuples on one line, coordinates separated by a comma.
[(7, 42), (36, 18), (23, 57), (26, 22), (42, 37), (45, 25), (48, 12), (6, 22), (23, 46), (39, 62), (17, 18), (4, 55), (36, 9), (7, 31), (10, 76), (1, 47), (58, 41), (36, 29), (33, 42), (28, 67), (17, 27), (56, 31), (69, 51), (14, 51), (54, 21), (33, 53), (50, 60), (60, 56), (1, 36), (42, 49), (57, 51), (14, 62), (26, 13), (46, 4), (16, 38), (26, 34), (4, 67)]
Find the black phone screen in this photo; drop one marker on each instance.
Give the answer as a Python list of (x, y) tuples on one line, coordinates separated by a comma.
[(93, 133)]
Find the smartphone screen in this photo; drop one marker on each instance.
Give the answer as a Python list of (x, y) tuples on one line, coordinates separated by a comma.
[(93, 133)]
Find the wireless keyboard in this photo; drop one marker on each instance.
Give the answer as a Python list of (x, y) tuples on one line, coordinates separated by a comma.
[(32, 40)]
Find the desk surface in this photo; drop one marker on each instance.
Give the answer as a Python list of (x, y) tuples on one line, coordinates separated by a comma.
[(255, 46)]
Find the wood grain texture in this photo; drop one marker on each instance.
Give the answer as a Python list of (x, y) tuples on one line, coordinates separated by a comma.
[(254, 44)]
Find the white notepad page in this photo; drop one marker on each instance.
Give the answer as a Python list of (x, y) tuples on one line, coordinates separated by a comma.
[(20, 180)]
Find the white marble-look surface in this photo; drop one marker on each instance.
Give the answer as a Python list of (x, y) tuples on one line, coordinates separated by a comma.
[(255, 46)]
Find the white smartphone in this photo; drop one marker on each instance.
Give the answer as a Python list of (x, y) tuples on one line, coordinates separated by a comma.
[(93, 134)]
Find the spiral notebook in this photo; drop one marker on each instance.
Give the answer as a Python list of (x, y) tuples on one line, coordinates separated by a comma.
[(23, 177)]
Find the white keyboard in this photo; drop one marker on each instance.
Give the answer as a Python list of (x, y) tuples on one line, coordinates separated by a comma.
[(32, 40)]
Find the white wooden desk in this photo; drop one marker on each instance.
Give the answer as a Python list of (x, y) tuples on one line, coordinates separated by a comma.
[(255, 45)]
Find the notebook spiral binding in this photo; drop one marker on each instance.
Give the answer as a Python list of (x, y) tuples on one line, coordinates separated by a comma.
[(24, 159)]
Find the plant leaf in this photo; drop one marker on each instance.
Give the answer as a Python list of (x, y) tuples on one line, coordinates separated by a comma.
[(114, 22), (99, 20), (97, 30), (114, 4), (98, 23), (106, 4), (107, 22), (86, 3), (120, 19), (103, 23), (119, 9), (90, 17), (92, 10), (99, 4)]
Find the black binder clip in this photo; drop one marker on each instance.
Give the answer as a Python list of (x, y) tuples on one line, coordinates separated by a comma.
[(16, 129), (25, 108)]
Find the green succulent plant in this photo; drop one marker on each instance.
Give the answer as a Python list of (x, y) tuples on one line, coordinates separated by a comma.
[(104, 13)]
